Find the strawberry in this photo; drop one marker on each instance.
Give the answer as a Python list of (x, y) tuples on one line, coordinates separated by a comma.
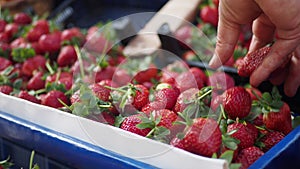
[(52, 98), (152, 106), (146, 75), (75, 97), (237, 102), (4, 37), (167, 117), (199, 75), (43, 25), (141, 96), (101, 92), (4, 63), (254, 92), (171, 71), (252, 130), (67, 56), (107, 83), (121, 77), (186, 80), (50, 42), (97, 42), (248, 156), (26, 96), (2, 25), (36, 47), (216, 101), (40, 27), (271, 139), (19, 43), (64, 78), (167, 94), (105, 74), (209, 15), (36, 82), (279, 121), (221, 81), (11, 29), (130, 122), (251, 61), (34, 63), (22, 18), (6, 89), (72, 34), (103, 117), (184, 99), (242, 134), (204, 137)]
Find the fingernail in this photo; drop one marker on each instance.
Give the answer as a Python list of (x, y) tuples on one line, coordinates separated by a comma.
[(214, 61)]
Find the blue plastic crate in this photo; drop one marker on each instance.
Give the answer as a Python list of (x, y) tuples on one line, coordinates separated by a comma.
[(19, 137), (283, 155)]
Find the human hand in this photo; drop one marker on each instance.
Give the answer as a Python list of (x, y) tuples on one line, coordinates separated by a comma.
[(270, 18)]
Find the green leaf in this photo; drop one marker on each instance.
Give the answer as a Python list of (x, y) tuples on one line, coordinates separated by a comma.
[(145, 125), (119, 120), (214, 155), (235, 166), (18, 84), (161, 132), (180, 135), (267, 97), (227, 155), (22, 54), (296, 121)]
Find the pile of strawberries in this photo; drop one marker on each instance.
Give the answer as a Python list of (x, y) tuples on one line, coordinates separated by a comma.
[(203, 112)]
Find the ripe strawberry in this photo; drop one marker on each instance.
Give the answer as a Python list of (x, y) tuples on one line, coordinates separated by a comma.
[(4, 37), (209, 15), (252, 130), (186, 80), (36, 82), (103, 117), (171, 71), (248, 156), (237, 102), (121, 77), (19, 43), (279, 121), (251, 61), (97, 42), (67, 56), (11, 29), (271, 139), (105, 74), (100, 91), (50, 42), (4, 63), (107, 83), (52, 98), (22, 18), (141, 96), (242, 134), (204, 137), (64, 78), (216, 101), (34, 63), (216, 2), (221, 81), (42, 24), (71, 34), (26, 96), (167, 94), (130, 122), (36, 47), (152, 106), (6, 89), (146, 75), (2, 25), (167, 117), (199, 75), (184, 98), (40, 27), (254, 92)]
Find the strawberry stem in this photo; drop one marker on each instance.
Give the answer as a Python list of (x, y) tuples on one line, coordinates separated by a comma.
[(79, 56)]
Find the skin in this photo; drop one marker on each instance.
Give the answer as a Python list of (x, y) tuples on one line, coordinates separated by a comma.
[(276, 18)]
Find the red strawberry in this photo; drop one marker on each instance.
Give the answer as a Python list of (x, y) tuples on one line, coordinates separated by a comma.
[(237, 102), (103, 117), (279, 121), (141, 96), (4, 37), (215, 102), (248, 156), (167, 117), (4, 63), (204, 137), (22, 18), (101, 92), (42, 24), (105, 74), (183, 98), (146, 75), (242, 134), (121, 77), (36, 82), (40, 27), (50, 42), (220, 81), (209, 15), (65, 78), (97, 42), (186, 80), (130, 122), (67, 56), (252, 130), (216, 2), (253, 93), (26, 96), (199, 75), (34, 63), (72, 33), (167, 94), (251, 61), (271, 139), (2, 25), (107, 83), (11, 29), (6, 89), (19, 43), (52, 98), (152, 106)]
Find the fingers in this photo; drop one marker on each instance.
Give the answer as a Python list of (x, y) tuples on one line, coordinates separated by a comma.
[(293, 79), (263, 32), (277, 56)]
